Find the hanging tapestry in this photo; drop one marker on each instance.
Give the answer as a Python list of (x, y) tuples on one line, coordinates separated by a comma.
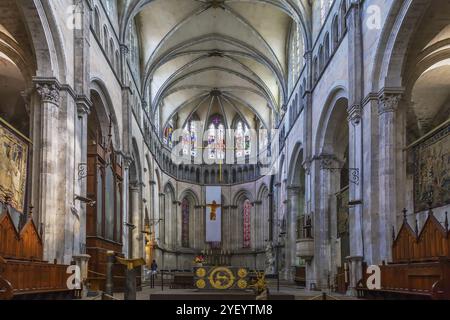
[(432, 171), (13, 166), (185, 223), (247, 225)]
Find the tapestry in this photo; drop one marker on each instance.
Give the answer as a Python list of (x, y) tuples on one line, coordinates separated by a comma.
[(185, 223), (13, 167), (247, 225), (342, 200), (432, 171)]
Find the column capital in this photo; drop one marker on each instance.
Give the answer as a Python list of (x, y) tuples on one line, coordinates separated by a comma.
[(354, 114), (48, 89), (127, 160), (134, 186), (388, 100), (294, 188), (327, 161), (84, 105), (124, 49)]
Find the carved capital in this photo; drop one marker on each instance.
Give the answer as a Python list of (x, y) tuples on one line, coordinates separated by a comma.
[(388, 102), (354, 114), (127, 161), (124, 49), (327, 161), (49, 92), (83, 106)]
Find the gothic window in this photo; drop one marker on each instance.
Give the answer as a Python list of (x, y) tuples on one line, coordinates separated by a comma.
[(97, 22), (335, 32), (105, 39), (190, 138), (242, 139), (323, 11), (247, 224), (343, 13), (327, 47), (185, 208), (263, 140), (216, 138), (295, 55), (168, 132)]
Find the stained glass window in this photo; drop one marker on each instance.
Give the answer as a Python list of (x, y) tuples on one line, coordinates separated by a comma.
[(216, 138), (168, 131), (185, 223), (242, 140), (247, 225), (189, 139)]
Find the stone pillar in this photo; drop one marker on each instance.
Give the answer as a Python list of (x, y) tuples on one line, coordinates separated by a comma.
[(135, 218), (53, 221), (291, 244), (355, 198), (83, 109), (163, 218), (387, 106), (82, 88), (126, 204), (325, 220)]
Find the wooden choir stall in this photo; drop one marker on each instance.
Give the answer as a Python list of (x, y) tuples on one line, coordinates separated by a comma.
[(420, 267), (23, 272)]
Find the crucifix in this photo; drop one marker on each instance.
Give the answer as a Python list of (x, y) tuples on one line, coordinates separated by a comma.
[(213, 206)]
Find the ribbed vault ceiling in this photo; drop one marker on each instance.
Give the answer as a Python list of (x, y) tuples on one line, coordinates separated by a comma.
[(208, 56)]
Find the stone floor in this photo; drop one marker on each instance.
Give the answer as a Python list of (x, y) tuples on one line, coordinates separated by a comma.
[(285, 288)]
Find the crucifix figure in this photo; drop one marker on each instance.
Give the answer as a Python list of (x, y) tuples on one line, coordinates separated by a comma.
[(213, 206)]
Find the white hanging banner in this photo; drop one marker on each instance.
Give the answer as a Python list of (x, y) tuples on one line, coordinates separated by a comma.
[(213, 214)]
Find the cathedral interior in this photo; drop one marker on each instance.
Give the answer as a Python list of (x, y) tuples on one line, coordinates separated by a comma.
[(215, 146)]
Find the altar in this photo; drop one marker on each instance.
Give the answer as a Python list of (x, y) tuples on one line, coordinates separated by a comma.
[(220, 278)]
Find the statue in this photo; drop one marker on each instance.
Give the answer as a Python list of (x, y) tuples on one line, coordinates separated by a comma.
[(270, 259)]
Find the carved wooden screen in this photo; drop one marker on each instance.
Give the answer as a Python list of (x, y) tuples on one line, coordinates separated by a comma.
[(19, 244), (105, 187), (430, 244)]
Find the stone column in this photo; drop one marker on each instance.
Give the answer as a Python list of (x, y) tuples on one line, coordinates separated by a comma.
[(53, 222), (134, 213), (325, 220), (356, 78), (387, 106), (80, 154), (163, 218), (82, 80), (355, 197), (125, 204), (291, 244)]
